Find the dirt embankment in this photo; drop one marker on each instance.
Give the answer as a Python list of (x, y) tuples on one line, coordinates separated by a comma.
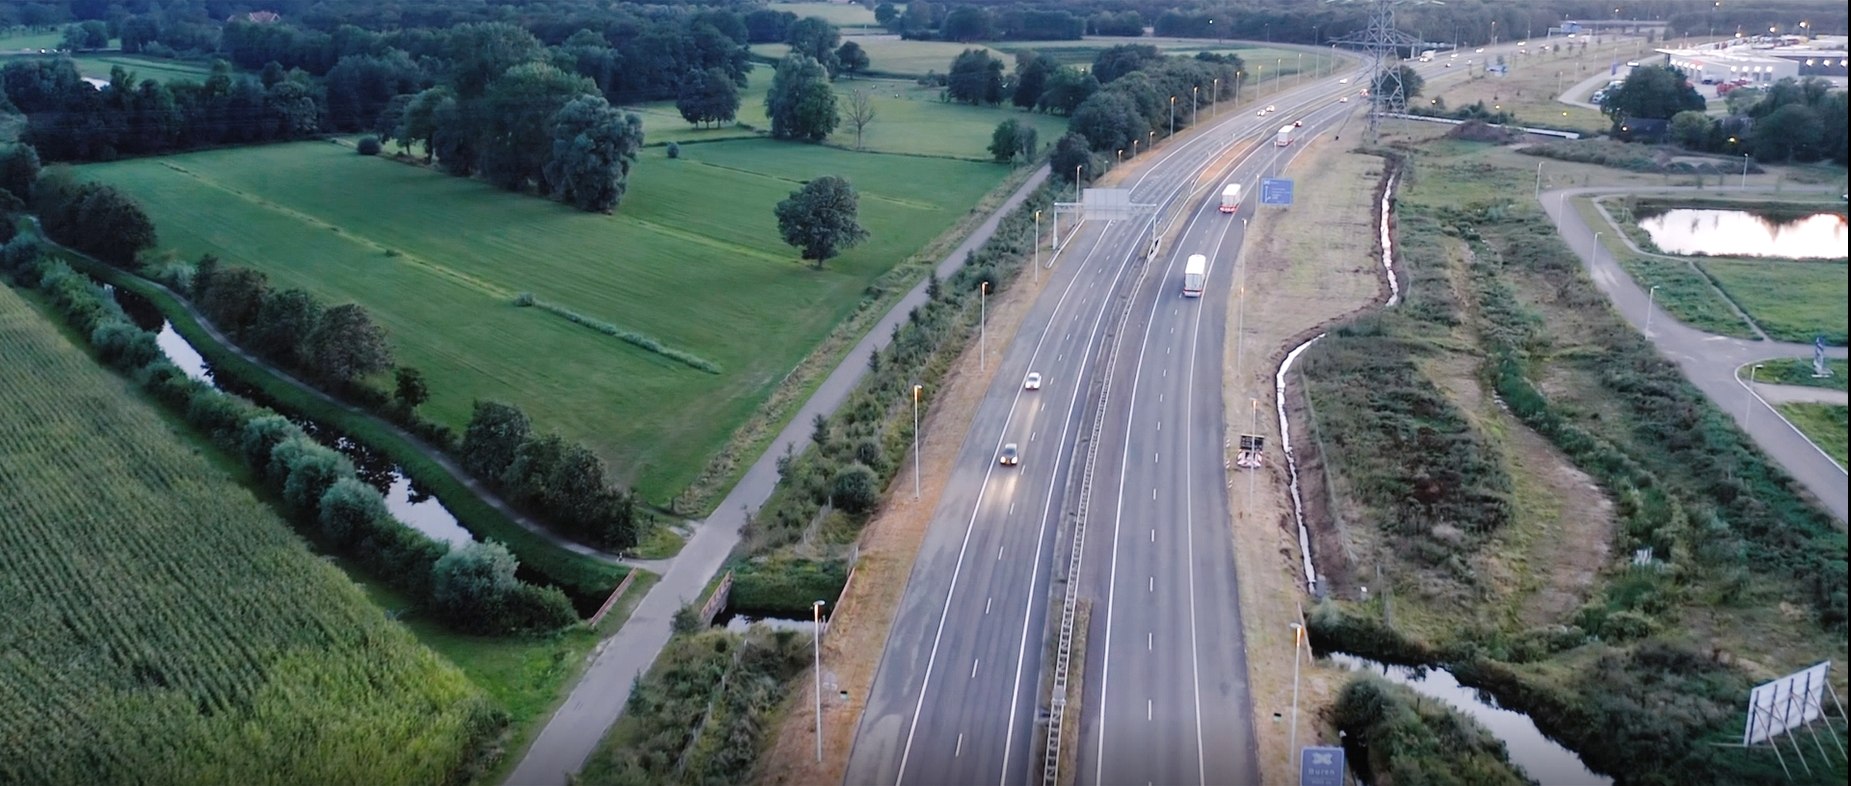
[(1302, 269)]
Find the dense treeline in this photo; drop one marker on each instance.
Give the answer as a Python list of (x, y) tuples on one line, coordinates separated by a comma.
[(1405, 739), (317, 486), (1790, 120), (68, 120), (561, 480)]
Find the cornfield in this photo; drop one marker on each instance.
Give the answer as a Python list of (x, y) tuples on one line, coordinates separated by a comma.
[(162, 625)]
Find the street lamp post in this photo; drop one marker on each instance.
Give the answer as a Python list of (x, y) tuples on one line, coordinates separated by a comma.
[(917, 457), (1593, 249), (983, 325), (1301, 69), (1118, 156), (1076, 181), (1193, 108), (1539, 177), (1651, 296), (816, 619), (1172, 115), (1748, 392), (1744, 170), (1214, 98), (1037, 244), (1298, 635)]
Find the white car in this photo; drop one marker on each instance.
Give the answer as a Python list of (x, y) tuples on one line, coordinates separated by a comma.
[(1480, 50), (1343, 100), (1269, 109), (1455, 54), (1344, 81), (1033, 382), (1449, 65), (1632, 64), (1010, 456)]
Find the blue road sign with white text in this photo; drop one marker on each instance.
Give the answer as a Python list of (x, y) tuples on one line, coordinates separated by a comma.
[(1320, 766), (1275, 191)]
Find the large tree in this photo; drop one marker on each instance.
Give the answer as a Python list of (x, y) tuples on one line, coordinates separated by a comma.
[(820, 219), (1031, 78), (284, 321), (976, 78), (347, 345), (1656, 92), (708, 97), (19, 169), (493, 439), (483, 51), (815, 38), (853, 58), (594, 147), (801, 103), (1410, 81), (517, 119), (1067, 89)]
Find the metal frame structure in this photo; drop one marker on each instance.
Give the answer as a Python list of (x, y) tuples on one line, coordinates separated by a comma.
[(1382, 42)]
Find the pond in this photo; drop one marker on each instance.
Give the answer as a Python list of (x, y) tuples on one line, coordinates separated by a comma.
[(1744, 234), (1543, 759), (406, 501)]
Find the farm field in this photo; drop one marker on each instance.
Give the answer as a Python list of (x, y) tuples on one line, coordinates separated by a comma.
[(97, 65), (165, 626), (1791, 300), (692, 259), (846, 15), (895, 57), (22, 39), (909, 119)]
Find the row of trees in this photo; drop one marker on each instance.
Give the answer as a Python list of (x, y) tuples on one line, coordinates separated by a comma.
[(338, 345), (69, 120), (1790, 120), (966, 23), (473, 588), (542, 472), (1143, 98)]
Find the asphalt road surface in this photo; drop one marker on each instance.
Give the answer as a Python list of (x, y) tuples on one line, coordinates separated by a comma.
[(956, 699)]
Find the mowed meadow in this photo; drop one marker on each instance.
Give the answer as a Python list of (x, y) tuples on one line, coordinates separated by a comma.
[(162, 625), (692, 259)]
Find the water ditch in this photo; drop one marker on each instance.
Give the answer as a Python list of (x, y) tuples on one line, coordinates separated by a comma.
[(1743, 233), (1542, 758), (406, 501)]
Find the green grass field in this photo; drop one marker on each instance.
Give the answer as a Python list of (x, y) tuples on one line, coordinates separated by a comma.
[(97, 66), (692, 258), (21, 39), (1824, 424), (838, 14), (164, 626), (1798, 371), (895, 57), (1683, 292), (908, 119), (1791, 300)]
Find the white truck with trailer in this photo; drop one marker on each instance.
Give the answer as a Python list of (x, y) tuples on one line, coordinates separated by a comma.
[(1230, 198), (1195, 275)]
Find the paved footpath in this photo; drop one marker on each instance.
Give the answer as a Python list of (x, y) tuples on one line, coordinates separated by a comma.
[(599, 697), (1709, 361)]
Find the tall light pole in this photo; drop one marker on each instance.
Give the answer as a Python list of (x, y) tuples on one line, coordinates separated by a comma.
[(983, 326), (917, 456), (1748, 392), (816, 619), (1593, 249), (1237, 80), (1744, 170), (1118, 156), (1193, 90), (1301, 69), (1037, 244), (1539, 175), (1076, 181), (1214, 98), (1298, 635), (1172, 115), (1651, 296)]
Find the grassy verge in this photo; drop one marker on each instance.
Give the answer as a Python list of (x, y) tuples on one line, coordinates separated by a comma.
[(1791, 300), (577, 575), (1720, 575), (1797, 371), (1683, 292), (695, 717), (1824, 424)]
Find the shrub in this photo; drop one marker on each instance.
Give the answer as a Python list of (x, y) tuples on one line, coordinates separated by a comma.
[(309, 470), (123, 345), (350, 509), (856, 489), (470, 586), (261, 436), (786, 587), (220, 416), (368, 145), (674, 150)]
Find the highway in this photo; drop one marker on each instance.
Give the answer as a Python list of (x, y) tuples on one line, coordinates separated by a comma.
[(956, 696)]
